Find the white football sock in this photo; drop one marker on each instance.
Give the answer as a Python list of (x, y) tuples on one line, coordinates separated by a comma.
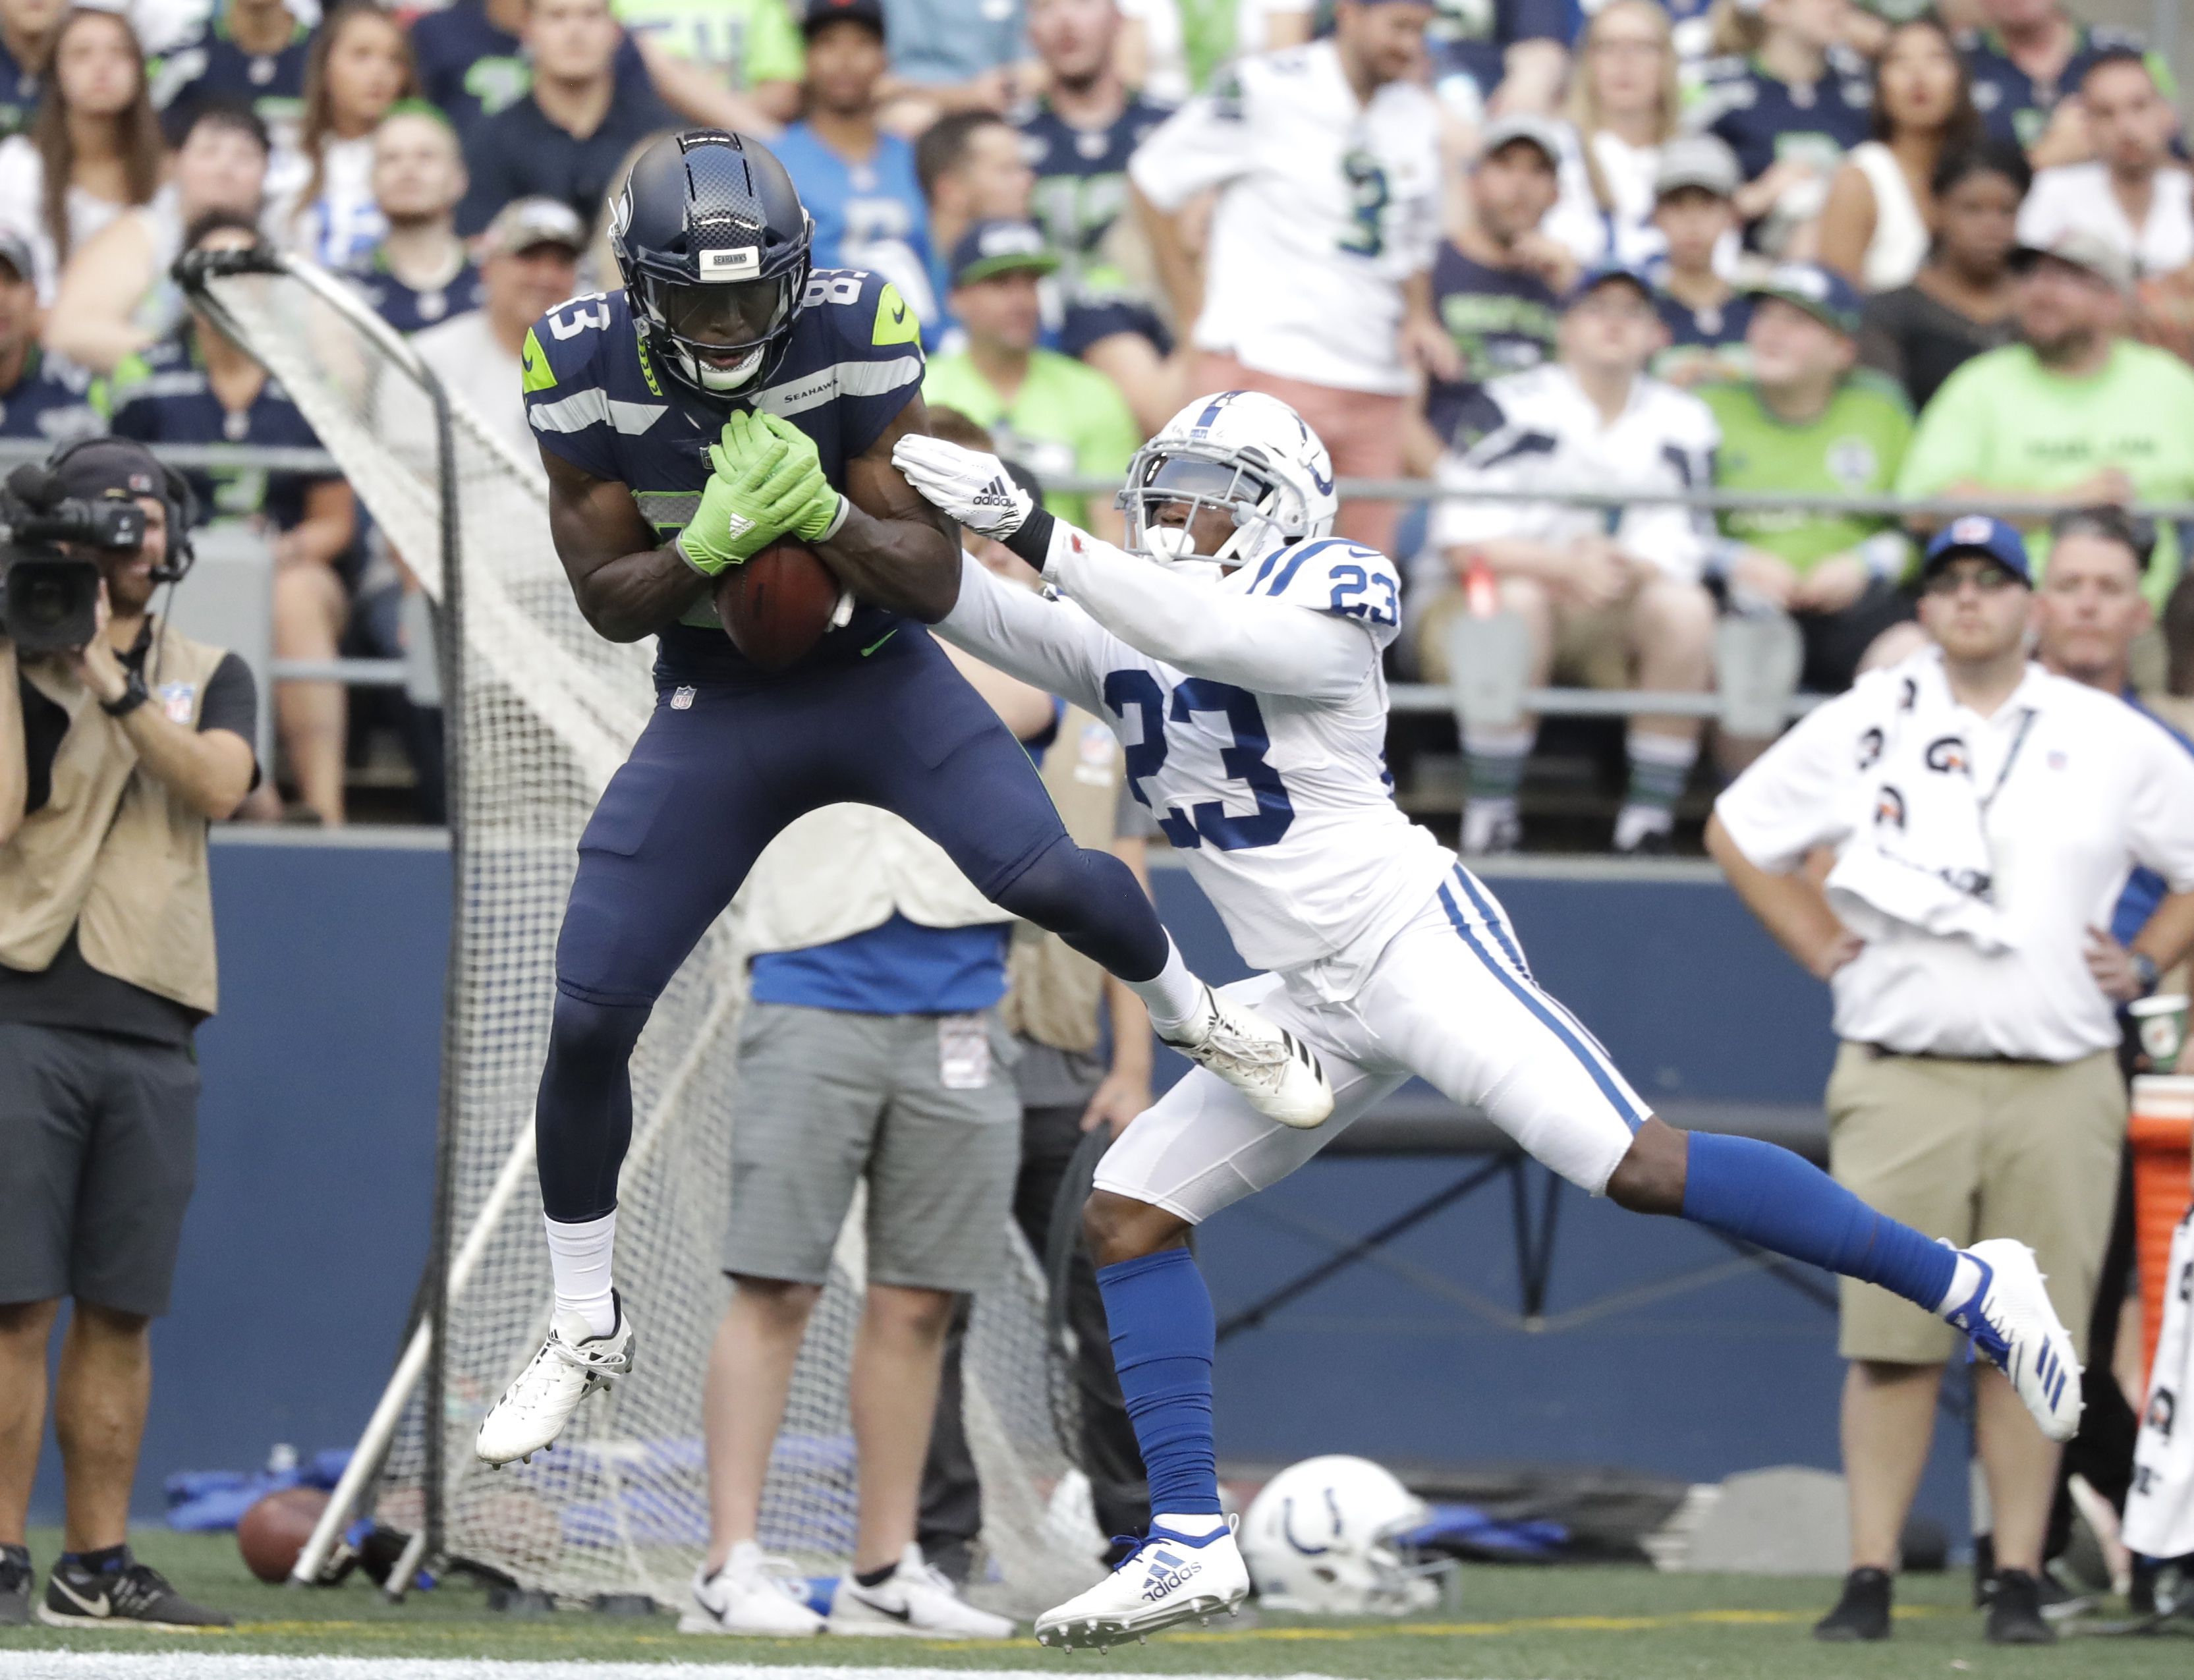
[(579, 1260), (1963, 1281), (1175, 997), (1189, 1527)]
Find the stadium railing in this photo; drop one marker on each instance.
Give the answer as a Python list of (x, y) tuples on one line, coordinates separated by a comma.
[(1411, 697)]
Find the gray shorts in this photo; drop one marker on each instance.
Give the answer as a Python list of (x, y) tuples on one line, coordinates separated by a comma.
[(99, 1136), (922, 1106)]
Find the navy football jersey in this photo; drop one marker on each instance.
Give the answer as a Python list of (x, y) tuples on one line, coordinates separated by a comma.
[(1082, 187), (49, 399), (163, 396), (407, 307), (1765, 121), (2013, 106), (213, 67), (594, 400)]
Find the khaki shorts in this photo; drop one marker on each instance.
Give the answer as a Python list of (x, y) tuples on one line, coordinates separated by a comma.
[(1974, 1149), (1592, 645)]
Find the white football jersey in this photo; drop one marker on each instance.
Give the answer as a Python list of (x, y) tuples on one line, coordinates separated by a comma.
[(1326, 205), (1281, 806)]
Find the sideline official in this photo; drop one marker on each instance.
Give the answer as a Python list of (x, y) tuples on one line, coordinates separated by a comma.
[(114, 757), (1983, 815)]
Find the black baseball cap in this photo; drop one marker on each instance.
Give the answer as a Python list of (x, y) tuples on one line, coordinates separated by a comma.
[(820, 13), (111, 469)]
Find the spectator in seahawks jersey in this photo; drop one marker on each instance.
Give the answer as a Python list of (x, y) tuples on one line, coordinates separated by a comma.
[(1790, 100), (1497, 279), (1078, 136), (39, 397), (28, 29), (2027, 62), (253, 51), (1809, 421), (117, 295), (471, 64), (419, 273), (1504, 59), (199, 388), (568, 135), (857, 182), (1706, 317)]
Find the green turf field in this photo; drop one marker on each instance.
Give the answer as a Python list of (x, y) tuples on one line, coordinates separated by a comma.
[(1508, 1624)]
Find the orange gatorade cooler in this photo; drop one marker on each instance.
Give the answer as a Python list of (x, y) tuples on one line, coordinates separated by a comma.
[(2163, 1137)]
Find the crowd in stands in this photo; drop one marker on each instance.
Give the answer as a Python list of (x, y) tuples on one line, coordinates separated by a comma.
[(1818, 248)]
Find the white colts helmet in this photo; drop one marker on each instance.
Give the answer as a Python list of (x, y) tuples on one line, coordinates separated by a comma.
[(1321, 1539), (1242, 450)]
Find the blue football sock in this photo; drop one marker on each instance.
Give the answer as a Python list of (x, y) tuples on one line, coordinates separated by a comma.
[(1781, 1200), (1163, 1333)]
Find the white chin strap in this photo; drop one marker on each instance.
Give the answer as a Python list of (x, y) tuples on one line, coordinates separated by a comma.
[(714, 378), (1169, 542)]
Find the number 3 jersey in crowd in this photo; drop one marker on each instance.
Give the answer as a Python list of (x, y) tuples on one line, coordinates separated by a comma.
[(1281, 805), (1326, 205), (595, 400)]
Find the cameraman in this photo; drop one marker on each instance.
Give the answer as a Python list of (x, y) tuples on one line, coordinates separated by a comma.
[(114, 757)]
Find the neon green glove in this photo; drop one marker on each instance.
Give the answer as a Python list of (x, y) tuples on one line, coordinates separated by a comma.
[(744, 507), (822, 509)]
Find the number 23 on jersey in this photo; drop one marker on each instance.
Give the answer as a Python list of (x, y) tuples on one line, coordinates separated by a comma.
[(1207, 820)]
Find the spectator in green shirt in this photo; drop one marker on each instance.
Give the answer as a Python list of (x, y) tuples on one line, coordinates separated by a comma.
[(1809, 421), (2076, 414), (751, 46), (1051, 414)]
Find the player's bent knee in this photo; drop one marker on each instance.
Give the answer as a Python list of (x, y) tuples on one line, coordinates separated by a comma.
[(1120, 1228), (596, 1031), (1650, 1177)]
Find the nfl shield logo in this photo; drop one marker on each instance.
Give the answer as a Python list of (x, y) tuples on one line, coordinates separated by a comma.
[(682, 700)]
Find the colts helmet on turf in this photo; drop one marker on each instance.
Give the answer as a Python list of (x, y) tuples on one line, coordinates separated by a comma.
[(1242, 450), (711, 239), (1326, 1537)]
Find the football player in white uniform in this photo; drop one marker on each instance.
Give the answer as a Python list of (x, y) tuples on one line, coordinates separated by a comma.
[(1243, 674)]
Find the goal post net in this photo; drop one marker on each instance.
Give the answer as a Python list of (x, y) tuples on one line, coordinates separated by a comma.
[(539, 712)]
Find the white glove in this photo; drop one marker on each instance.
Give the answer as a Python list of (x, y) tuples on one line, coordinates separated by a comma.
[(973, 488)]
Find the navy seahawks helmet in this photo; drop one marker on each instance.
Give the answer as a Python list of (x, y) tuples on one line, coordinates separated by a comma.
[(712, 241)]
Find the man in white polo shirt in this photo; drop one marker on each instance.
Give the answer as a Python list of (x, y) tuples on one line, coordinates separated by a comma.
[(1316, 285), (1983, 815)]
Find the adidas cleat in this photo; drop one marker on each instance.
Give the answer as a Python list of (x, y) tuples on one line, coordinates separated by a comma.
[(2015, 1327), (1276, 1071), (571, 1365), (1167, 1580)]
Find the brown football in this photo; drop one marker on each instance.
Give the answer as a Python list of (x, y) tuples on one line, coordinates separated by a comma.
[(777, 606), (271, 1534)]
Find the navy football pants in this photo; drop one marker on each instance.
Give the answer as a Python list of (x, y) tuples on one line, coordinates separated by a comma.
[(710, 785)]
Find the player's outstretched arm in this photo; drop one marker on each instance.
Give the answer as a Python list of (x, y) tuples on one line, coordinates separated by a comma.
[(1269, 646), (894, 549), (1050, 644), (628, 585)]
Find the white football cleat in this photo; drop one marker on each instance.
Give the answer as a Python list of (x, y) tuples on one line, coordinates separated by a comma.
[(1169, 1580), (918, 1602), (571, 1365), (2012, 1323), (1276, 1071), (752, 1594)]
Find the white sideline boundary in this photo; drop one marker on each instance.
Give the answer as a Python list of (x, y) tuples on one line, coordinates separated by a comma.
[(89, 1665)]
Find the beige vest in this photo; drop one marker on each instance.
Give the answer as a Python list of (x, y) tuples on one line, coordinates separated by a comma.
[(1056, 992), (113, 853)]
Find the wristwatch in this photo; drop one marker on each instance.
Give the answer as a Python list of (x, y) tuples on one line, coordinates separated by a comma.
[(133, 695), (2144, 970)]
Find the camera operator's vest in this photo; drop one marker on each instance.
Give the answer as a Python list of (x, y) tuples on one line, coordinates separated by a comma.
[(113, 852), (1055, 992)]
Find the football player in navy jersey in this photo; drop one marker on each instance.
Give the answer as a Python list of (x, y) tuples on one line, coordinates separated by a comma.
[(729, 395)]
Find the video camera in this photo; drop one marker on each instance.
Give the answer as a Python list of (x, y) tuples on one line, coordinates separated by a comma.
[(49, 600)]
